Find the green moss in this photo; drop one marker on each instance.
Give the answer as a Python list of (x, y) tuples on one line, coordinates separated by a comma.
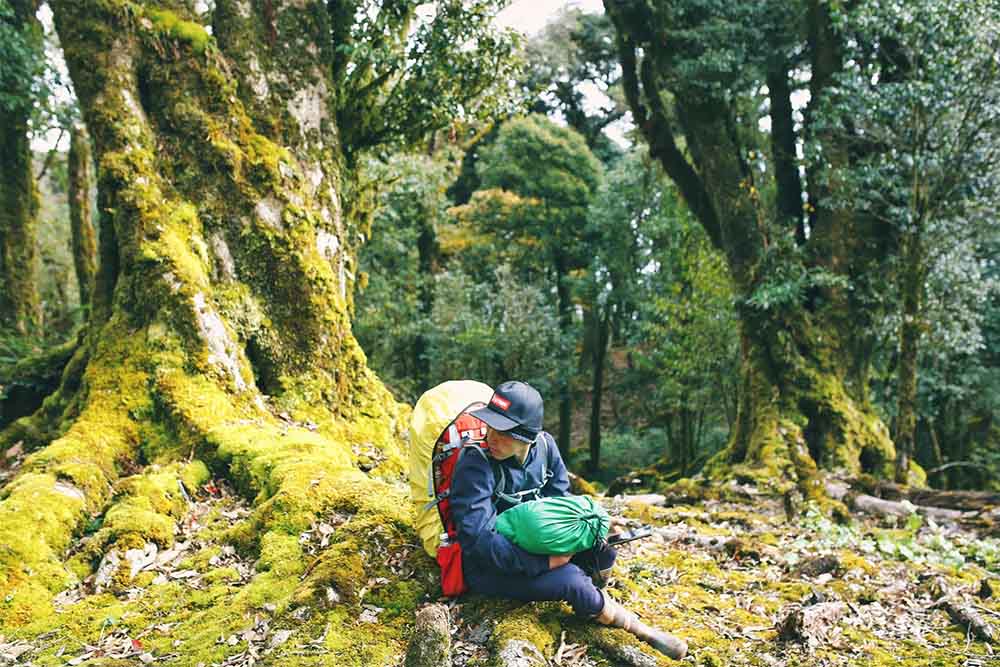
[(340, 568), (169, 23), (538, 623)]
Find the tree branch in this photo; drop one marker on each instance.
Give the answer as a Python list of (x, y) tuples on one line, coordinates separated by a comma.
[(655, 126), (786, 169)]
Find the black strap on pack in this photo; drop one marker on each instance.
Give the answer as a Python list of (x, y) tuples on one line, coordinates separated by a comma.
[(518, 497)]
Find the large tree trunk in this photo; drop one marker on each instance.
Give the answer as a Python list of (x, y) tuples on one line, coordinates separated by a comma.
[(82, 234), (19, 304), (219, 330), (802, 398)]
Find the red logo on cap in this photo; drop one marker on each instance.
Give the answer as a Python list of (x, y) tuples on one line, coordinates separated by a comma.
[(500, 401)]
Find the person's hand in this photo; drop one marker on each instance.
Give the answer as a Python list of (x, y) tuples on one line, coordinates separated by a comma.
[(558, 561), (616, 525)]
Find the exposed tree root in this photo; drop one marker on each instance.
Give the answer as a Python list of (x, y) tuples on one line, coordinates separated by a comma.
[(45, 381)]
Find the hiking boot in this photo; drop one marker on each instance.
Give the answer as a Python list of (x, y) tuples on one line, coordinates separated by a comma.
[(617, 616)]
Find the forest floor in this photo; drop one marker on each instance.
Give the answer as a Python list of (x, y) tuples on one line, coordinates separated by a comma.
[(740, 580)]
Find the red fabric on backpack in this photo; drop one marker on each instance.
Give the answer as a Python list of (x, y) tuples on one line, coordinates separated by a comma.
[(449, 558), (464, 431)]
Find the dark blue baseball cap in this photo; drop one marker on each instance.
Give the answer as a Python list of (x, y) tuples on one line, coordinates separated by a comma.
[(516, 409)]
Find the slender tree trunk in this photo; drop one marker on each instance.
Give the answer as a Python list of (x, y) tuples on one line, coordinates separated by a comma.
[(909, 339), (685, 438), (83, 236), (219, 331), (427, 250), (600, 351), (783, 147), (565, 307), (19, 304)]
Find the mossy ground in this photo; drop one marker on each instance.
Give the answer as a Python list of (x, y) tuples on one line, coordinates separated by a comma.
[(343, 589)]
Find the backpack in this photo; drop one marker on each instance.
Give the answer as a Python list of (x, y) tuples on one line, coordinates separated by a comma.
[(440, 429)]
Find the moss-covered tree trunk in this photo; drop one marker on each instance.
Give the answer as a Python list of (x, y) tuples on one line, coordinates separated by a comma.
[(82, 234), (219, 333), (802, 396), (19, 304)]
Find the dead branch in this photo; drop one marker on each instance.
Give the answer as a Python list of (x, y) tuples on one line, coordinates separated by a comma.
[(966, 616)]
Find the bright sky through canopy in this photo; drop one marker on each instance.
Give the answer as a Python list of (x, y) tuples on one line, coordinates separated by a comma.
[(530, 16)]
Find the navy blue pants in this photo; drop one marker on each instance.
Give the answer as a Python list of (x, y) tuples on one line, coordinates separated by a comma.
[(569, 583)]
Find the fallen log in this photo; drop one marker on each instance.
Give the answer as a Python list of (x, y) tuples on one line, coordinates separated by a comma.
[(966, 617), (966, 501), (871, 505)]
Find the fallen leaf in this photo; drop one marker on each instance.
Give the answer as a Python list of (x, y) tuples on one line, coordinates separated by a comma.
[(280, 637), (183, 574)]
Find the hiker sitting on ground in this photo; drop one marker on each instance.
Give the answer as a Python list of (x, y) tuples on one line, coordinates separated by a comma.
[(523, 463)]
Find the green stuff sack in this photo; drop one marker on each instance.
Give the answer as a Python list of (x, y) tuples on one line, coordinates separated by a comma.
[(555, 526)]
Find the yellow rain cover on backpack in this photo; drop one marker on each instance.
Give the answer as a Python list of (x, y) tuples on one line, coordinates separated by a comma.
[(435, 410)]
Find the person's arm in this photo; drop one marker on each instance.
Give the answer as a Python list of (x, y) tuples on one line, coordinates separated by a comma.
[(558, 484), (472, 508)]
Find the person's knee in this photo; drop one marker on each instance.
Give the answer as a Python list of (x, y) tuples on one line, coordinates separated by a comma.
[(579, 591), (606, 558)]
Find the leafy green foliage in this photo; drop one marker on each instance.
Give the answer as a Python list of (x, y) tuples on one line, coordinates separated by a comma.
[(571, 68), (393, 307), (672, 306), (787, 277), (920, 100), (537, 180), (31, 78), (496, 330), (22, 61), (405, 68), (422, 323), (919, 540)]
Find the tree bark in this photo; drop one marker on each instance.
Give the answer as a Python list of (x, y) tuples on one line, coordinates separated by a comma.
[(600, 350), (19, 304), (219, 328), (564, 306), (909, 337), (83, 236), (427, 250)]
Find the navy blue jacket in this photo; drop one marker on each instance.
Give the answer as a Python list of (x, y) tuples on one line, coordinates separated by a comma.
[(472, 505)]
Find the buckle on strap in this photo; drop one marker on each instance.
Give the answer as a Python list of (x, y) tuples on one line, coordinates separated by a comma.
[(438, 498)]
